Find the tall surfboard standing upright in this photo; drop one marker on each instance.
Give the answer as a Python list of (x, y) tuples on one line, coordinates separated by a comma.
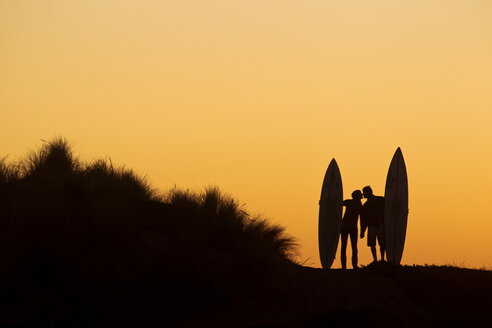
[(396, 208), (330, 214)]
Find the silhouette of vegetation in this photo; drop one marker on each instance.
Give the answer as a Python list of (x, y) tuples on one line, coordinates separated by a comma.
[(225, 212), (101, 239), (53, 158)]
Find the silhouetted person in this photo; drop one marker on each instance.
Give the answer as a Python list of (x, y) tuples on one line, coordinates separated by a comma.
[(353, 208), (372, 218)]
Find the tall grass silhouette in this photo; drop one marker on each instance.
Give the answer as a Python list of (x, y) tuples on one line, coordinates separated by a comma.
[(95, 241), (225, 213), (53, 158)]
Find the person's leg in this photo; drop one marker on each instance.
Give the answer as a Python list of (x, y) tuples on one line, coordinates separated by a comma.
[(371, 242), (381, 242), (353, 241), (343, 249), (374, 254)]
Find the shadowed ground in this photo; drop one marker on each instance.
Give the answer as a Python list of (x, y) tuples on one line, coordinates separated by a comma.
[(87, 244), (384, 296)]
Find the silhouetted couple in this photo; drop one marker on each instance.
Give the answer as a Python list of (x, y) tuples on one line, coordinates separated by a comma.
[(371, 218)]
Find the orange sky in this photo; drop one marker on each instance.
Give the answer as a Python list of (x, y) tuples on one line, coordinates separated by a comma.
[(256, 97)]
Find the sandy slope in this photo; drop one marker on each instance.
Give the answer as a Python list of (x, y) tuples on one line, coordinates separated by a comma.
[(376, 296)]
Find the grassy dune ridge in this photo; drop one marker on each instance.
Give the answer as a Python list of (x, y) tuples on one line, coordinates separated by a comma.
[(93, 245), (99, 240)]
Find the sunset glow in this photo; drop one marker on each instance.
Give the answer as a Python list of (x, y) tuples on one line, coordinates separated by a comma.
[(256, 97)]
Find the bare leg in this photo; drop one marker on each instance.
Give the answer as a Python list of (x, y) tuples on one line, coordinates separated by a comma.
[(382, 251), (343, 250), (353, 240), (374, 253)]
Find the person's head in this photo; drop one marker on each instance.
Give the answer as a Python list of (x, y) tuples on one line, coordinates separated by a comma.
[(357, 194), (367, 192)]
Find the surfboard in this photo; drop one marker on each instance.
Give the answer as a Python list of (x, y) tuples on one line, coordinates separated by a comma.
[(330, 214), (396, 208)]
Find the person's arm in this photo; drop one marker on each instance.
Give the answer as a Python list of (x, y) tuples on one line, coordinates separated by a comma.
[(363, 222)]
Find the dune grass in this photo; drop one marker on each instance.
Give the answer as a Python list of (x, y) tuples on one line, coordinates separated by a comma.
[(54, 175), (101, 241), (226, 213)]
